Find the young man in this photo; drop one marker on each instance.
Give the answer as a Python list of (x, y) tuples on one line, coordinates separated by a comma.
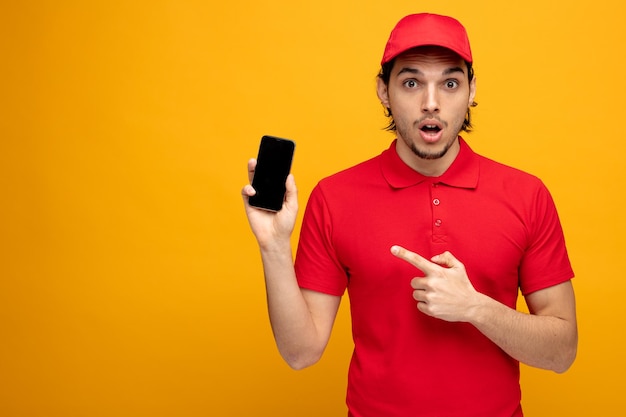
[(432, 242)]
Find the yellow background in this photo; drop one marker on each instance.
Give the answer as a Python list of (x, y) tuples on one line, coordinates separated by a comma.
[(130, 284)]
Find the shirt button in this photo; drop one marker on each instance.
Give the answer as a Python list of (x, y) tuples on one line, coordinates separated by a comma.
[(436, 201), (438, 222)]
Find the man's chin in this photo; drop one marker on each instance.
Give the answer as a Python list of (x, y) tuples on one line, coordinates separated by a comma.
[(430, 154)]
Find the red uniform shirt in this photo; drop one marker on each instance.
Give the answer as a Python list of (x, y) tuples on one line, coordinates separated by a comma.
[(501, 223)]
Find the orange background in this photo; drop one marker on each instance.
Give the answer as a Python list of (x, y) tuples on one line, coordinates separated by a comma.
[(130, 284)]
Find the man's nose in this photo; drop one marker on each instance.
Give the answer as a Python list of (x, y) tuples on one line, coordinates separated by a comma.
[(430, 100)]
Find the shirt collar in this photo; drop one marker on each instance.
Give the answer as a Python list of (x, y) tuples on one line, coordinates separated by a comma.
[(463, 173)]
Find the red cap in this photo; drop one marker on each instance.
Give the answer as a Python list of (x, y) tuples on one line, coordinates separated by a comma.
[(427, 29)]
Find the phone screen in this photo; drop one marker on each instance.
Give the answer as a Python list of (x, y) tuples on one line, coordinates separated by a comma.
[(273, 166)]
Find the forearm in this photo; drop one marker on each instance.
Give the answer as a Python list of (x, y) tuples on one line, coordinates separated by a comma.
[(297, 337), (542, 341)]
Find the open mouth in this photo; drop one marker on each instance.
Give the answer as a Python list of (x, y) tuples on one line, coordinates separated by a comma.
[(431, 129)]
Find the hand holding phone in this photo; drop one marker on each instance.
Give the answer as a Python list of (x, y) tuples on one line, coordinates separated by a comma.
[(273, 166)]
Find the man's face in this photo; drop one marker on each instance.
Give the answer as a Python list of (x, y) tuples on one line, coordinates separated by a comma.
[(429, 94)]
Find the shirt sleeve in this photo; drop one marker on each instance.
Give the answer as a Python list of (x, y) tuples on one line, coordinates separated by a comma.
[(317, 266), (545, 262)]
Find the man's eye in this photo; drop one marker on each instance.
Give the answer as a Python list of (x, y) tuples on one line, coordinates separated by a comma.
[(410, 83), (452, 84)]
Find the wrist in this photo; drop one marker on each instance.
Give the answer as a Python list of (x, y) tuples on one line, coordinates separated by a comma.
[(275, 247), (481, 309)]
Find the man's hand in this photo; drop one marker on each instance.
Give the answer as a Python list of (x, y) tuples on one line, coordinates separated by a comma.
[(269, 227), (445, 292)]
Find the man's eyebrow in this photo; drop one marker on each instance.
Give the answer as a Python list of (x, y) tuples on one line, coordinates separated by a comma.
[(409, 70), (453, 70)]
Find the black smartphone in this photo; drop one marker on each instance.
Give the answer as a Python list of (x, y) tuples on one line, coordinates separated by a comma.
[(272, 168)]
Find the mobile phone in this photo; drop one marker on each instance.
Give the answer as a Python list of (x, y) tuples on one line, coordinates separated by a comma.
[(272, 168)]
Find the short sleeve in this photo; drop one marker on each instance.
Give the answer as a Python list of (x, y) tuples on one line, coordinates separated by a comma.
[(317, 266), (545, 262)]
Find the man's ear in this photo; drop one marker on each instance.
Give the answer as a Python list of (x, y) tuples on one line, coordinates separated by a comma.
[(472, 93), (383, 92)]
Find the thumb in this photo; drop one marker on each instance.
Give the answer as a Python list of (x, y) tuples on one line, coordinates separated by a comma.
[(446, 259), (291, 195)]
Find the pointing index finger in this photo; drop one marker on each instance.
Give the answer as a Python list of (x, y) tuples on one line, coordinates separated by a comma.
[(413, 258)]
